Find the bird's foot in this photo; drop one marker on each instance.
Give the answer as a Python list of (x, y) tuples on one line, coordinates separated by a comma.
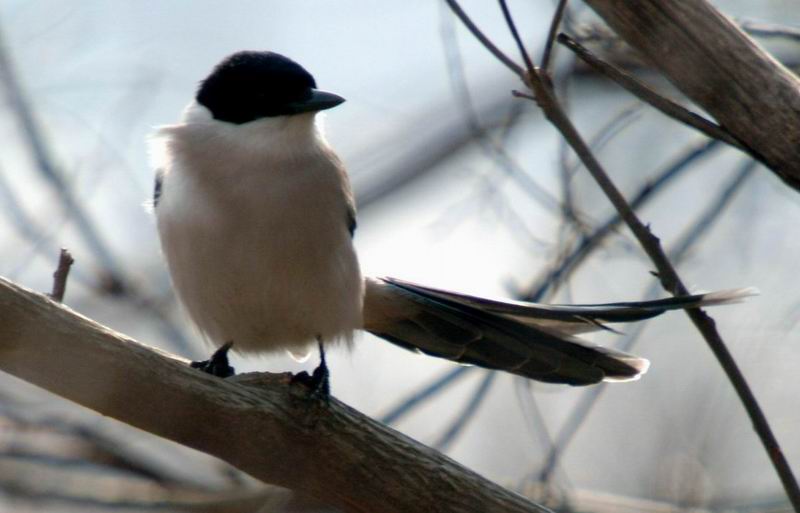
[(318, 382), (218, 364)]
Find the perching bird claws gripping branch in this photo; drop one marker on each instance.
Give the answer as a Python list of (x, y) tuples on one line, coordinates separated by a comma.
[(260, 428)]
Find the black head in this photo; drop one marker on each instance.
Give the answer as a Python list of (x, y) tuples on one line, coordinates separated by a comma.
[(250, 85)]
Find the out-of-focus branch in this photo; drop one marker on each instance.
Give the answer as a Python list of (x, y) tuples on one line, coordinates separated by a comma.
[(769, 30), (32, 135), (667, 275), (702, 224), (647, 95), (114, 280), (256, 422), (713, 62), (467, 413), (591, 241), (407, 405)]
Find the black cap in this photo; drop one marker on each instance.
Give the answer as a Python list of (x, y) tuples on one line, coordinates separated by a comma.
[(251, 85)]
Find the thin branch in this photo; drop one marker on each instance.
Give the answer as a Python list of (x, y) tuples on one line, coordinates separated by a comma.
[(722, 70), (649, 96), (589, 242), (494, 149), (770, 30), (65, 262), (259, 423), (45, 164), (606, 133), (520, 45), (485, 41), (667, 274), (551, 35), (534, 421), (672, 283), (420, 396), (702, 224), (114, 280), (467, 413)]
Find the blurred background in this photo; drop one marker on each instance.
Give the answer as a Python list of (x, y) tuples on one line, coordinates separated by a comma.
[(460, 186)]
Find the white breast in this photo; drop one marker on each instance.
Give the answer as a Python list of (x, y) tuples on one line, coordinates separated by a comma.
[(253, 225)]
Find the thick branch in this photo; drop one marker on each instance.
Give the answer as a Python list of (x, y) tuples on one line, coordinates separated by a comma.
[(713, 62), (256, 422)]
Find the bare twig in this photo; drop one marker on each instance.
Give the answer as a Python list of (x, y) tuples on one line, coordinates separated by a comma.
[(589, 242), (522, 94), (715, 64), (65, 261), (426, 144), (44, 160), (606, 133), (702, 224), (770, 30), (114, 279), (513, 28), (420, 396), (485, 41), (649, 96), (493, 148), (467, 413), (551, 35), (667, 274)]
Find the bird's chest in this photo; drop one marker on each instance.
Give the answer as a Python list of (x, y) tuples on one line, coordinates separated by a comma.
[(260, 257), (256, 221)]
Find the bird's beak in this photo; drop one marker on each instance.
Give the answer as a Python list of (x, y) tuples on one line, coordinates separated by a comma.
[(319, 100)]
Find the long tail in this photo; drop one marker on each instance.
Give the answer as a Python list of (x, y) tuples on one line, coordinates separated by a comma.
[(532, 340)]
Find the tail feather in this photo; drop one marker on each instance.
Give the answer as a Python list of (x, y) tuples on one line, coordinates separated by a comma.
[(573, 319), (531, 340), (462, 329)]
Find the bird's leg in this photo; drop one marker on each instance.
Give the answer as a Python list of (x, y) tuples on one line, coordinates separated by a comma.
[(218, 364), (319, 381), (321, 377)]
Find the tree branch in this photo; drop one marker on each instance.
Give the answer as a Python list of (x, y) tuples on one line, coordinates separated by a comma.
[(60, 276), (713, 62), (647, 95), (667, 275), (256, 422), (551, 35)]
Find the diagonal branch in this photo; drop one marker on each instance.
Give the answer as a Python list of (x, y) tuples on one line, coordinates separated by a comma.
[(647, 95), (668, 276), (551, 35), (713, 62), (591, 241), (256, 422)]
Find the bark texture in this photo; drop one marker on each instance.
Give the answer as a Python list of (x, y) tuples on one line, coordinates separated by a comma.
[(259, 423), (713, 62)]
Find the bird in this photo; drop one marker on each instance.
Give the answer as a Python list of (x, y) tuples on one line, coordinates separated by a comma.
[(256, 220)]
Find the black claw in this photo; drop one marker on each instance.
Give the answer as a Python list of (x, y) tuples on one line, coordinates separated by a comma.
[(218, 364), (318, 383)]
